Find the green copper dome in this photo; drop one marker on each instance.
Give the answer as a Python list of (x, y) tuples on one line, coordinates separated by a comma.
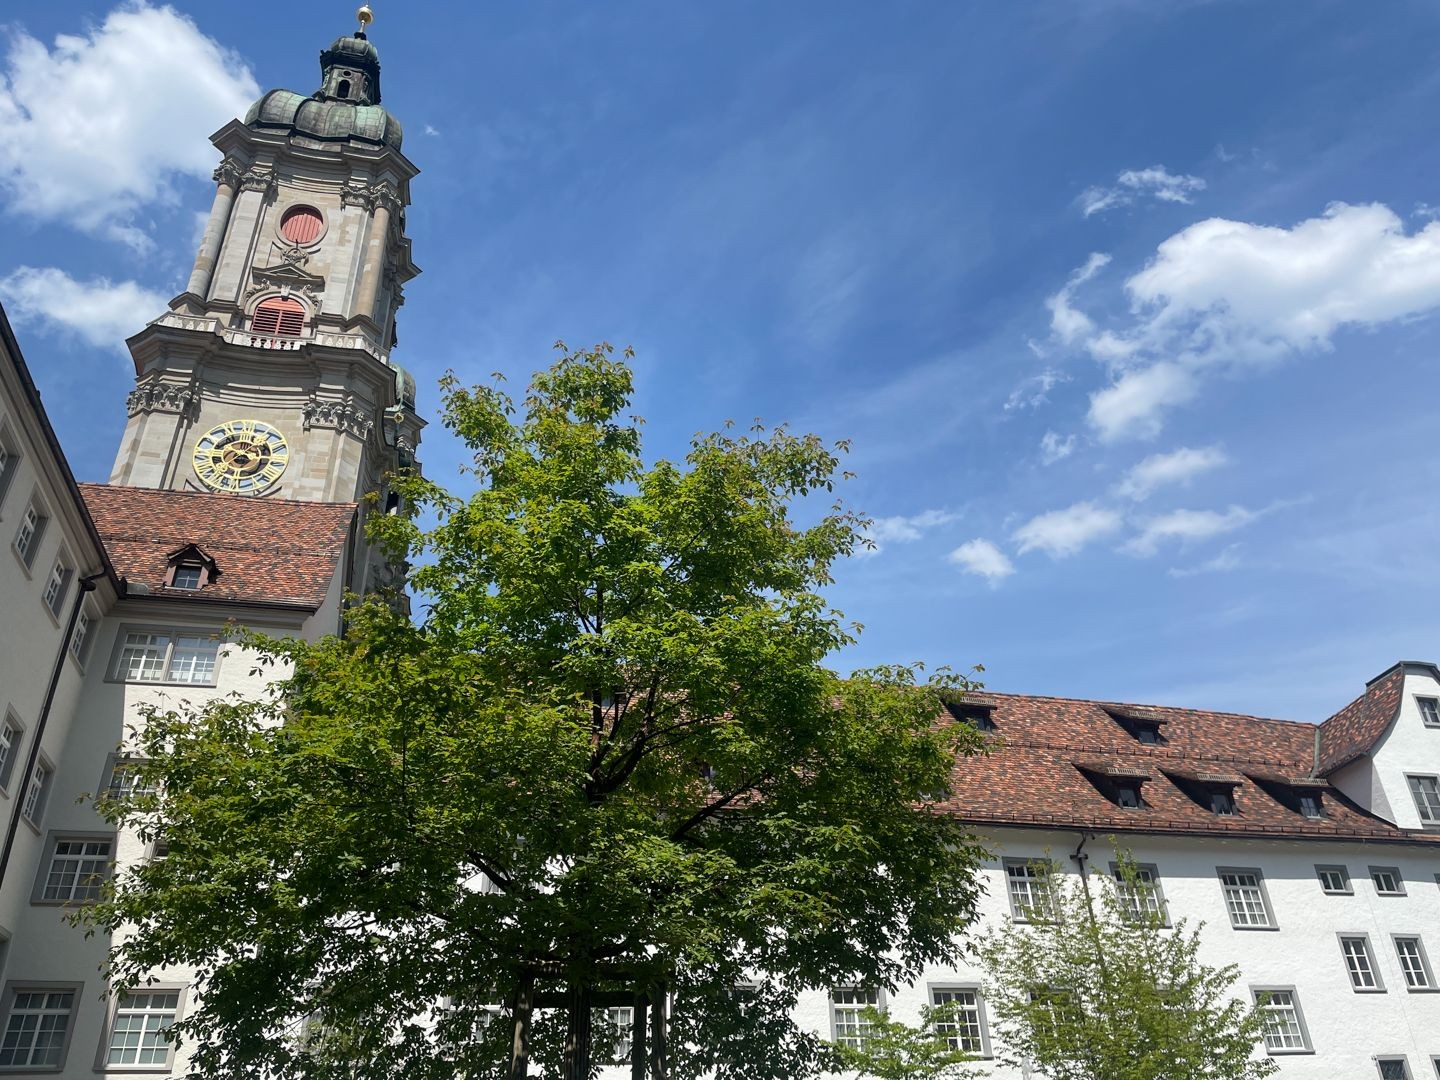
[(347, 105)]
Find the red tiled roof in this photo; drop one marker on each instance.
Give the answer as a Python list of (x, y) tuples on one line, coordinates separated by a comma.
[(1355, 728), (1036, 772), (267, 550)]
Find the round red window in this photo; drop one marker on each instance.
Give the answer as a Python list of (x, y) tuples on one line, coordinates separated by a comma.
[(301, 224)]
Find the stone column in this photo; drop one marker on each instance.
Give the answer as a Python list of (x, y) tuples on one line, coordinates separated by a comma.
[(376, 249), (227, 176)]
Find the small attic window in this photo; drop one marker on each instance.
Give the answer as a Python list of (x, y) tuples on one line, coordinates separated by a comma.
[(190, 569), (973, 713), (1429, 710), (279, 316), (187, 576), (1142, 727), (1311, 805), (1222, 802), (1127, 794)]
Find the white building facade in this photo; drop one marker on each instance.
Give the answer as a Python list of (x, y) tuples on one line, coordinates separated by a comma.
[(267, 408)]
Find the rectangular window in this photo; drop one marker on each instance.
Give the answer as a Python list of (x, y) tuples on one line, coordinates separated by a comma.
[(847, 1004), (29, 534), (962, 1026), (125, 782), (37, 790), (10, 733), (1245, 899), (1310, 805), (1142, 900), (56, 586), (1360, 963), (186, 577), (80, 640), (1388, 881), (1222, 803), (168, 657), (1429, 710), (1426, 792), (37, 1027), (1334, 880), (1414, 964), (1393, 1068), (1029, 885), (621, 1022), (77, 868), (1284, 1024), (9, 460), (140, 1033)]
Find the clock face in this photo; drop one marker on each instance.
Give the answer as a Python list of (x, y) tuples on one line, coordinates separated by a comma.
[(245, 457)]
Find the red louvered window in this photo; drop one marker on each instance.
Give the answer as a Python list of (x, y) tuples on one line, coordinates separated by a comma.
[(301, 224), (279, 316)]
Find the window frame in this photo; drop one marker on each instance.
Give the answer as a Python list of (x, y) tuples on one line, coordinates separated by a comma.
[(1273, 923), (43, 762), (1342, 936), (62, 568), (116, 673), (82, 637), (1344, 871), (878, 1005), (42, 874), (107, 1030), (10, 458), (15, 987), (1286, 1051), (27, 555), (1430, 986), (1403, 1060), (1420, 702), (984, 1053), (1155, 887), (1016, 912), (1427, 820), (12, 723), (116, 763), (1399, 889)]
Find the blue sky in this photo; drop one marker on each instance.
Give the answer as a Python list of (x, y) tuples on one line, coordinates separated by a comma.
[(1130, 308)]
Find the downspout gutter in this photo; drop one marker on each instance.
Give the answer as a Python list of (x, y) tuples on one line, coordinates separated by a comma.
[(87, 586)]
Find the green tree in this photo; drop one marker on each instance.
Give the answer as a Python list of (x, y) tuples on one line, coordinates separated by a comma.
[(894, 1050), (1095, 985), (607, 759)]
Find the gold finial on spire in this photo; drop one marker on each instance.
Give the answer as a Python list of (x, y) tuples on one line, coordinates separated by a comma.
[(366, 17)]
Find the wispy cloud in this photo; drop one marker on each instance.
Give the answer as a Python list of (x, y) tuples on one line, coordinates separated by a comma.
[(1156, 182), (1162, 470), (100, 312), (984, 559), (138, 93), (901, 530), (1067, 322), (1187, 527), (1062, 533), (1055, 448), (1227, 560), (1034, 391)]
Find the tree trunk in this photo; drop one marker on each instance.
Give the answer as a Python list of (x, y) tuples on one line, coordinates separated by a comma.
[(577, 1034), (520, 1041), (659, 1050), (639, 1055)]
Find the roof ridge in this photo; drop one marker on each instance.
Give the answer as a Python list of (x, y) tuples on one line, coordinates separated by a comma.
[(248, 499), (1099, 703), (166, 542)]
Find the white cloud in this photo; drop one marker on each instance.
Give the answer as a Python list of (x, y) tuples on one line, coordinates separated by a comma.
[(101, 125), (1156, 182), (1187, 527), (1227, 560), (1067, 322), (902, 530), (1160, 470), (983, 558), (1034, 391), (1230, 296), (1062, 533), (100, 312), (430, 129), (1053, 448)]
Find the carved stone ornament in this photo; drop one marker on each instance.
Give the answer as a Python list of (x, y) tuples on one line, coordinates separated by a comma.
[(337, 414), (262, 180), (160, 397), (288, 275), (227, 173), (357, 193)]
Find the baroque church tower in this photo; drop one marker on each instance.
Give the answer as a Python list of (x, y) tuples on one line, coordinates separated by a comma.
[(270, 376)]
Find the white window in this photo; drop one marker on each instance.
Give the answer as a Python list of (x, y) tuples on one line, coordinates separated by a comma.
[(1429, 710), (1310, 804), (187, 576), (1222, 802), (847, 1004), (621, 1020), (1388, 881), (1284, 1024), (1360, 962), (1143, 899), (1426, 792), (962, 1027), (1245, 899), (80, 640), (27, 536), (1393, 1068), (56, 586), (1334, 880), (10, 732), (1414, 964), (37, 790), (37, 1027), (125, 782), (1029, 886), (140, 1033), (147, 656), (77, 869)]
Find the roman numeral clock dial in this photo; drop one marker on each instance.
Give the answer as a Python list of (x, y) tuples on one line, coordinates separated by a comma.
[(243, 457)]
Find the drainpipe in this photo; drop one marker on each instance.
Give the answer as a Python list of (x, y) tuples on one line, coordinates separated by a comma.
[(87, 585)]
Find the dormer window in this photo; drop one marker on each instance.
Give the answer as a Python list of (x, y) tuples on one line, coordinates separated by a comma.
[(1222, 802), (190, 569), (1304, 795), (187, 576), (1144, 725), (1119, 783), (1310, 804), (279, 316), (974, 713), (1429, 710), (1127, 795), (1211, 789)]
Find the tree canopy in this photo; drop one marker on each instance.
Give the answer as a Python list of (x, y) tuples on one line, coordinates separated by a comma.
[(606, 756)]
